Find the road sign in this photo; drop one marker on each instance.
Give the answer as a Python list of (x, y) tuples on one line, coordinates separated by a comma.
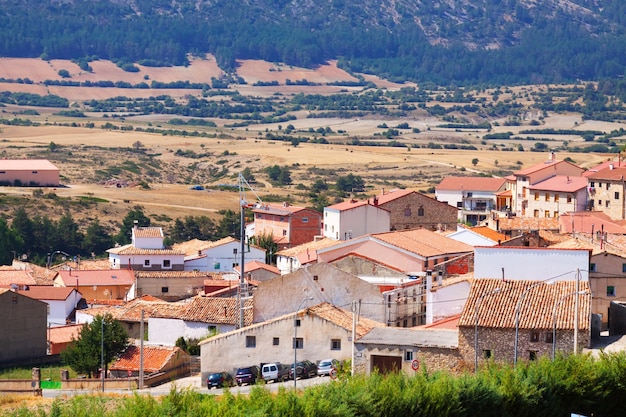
[(415, 364), (333, 373)]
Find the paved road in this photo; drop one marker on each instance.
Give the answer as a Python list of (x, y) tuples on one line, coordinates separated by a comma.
[(192, 382)]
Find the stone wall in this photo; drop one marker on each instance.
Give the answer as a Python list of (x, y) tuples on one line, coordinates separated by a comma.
[(416, 210), (429, 358)]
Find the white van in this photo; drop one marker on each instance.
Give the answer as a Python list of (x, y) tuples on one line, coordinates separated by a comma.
[(275, 372)]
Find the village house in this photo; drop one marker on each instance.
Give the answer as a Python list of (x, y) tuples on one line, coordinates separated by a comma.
[(99, 285), (596, 223), (353, 218), (171, 285), (474, 197), (259, 271), (60, 337), (557, 195), (530, 177), (62, 301), (606, 192), (477, 236), (318, 332), (22, 328), (410, 209), (156, 359), (292, 259), (16, 278), (222, 255), (289, 225), (520, 320), (29, 173), (146, 252)]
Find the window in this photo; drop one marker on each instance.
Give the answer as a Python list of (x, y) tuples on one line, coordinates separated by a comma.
[(532, 355), (470, 194), (547, 196), (536, 195), (297, 323), (326, 227), (335, 344), (408, 355), (305, 220), (547, 213), (146, 262), (165, 289), (623, 267), (599, 203), (536, 213), (259, 216), (316, 277), (167, 263), (610, 291), (569, 198), (407, 211), (606, 203), (276, 341), (420, 211), (298, 343), (617, 195), (250, 341), (534, 336), (607, 185), (3, 172), (34, 172), (235, 265), (487, 353), (547, 337), (556, 198), (284, 232), (524, 189), (234, 251), (556, 214), (459, 204), (212, 329), (216, 265), (592, 268), (592, 184)]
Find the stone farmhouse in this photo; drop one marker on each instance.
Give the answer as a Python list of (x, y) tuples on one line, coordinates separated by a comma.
[(29, 172), (606, 191), (500, 316)]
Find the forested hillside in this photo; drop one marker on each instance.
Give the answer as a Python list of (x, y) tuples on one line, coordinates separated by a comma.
[(457, 42)]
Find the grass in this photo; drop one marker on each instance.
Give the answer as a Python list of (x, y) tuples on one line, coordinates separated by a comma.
[(52, 373)]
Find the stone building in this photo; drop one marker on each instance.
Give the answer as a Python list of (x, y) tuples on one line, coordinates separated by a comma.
[(22, 328), (540, 309)]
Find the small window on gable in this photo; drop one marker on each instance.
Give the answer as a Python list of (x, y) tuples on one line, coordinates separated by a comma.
[(459, 204), (305, 220), (165, 289), (250, 341), (335, 344), (275, 341), (420, 211), (146, 262), (234, 251), (408, 355)]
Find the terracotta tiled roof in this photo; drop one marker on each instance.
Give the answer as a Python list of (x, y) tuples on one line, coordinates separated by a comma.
[(174, 274), (256, 265), (48, 292), (16, 276), (89, 264), (309, 247), (583, 241), (615, 174), (131, 311), (82, 277), (541, 166), (536, 310), (602, 166), (423, 242), (148, 232), (132, 250), (343, 318), (155, 358), (489, 233), (560, 183), (471, 184), (450, 323), (588, 222), (393, 195), (27, 164), (64, 334), (348, 205), (528, 223), (192, 247), (284, 209), (43, 276), (216, 310)]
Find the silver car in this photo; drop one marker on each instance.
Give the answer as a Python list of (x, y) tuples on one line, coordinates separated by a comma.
[(326, 365)]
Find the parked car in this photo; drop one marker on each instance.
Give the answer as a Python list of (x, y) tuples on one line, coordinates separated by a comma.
[(247, 375), (275, 372), (326, 365), (304, 369), (220, 380), (197, 188)]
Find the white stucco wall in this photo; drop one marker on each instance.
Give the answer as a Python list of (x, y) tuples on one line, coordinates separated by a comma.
[(470, 238), (531, 263), (167, 331), (446, 301)]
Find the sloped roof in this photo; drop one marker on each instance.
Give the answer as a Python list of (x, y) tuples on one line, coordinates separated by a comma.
[(584, 242), (48, 292), (27, 164), (284, 209), (588, 222), (561, 183), (131, 311), (193, 246), (608, 174), (418, 337), (16, 276), (543, 165), (147, 232), (528, 223), (43, 276), (256, 265), (453, 183), (423, 242), (600, 167), (217, 310), (155, 358), (348, 205), (64, 334), (497, 309), (130, 249), (83, 277), (489, 233), (309, 248), (386, 197), (174, 274)]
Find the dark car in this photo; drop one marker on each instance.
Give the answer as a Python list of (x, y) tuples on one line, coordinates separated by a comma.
[(220, 380), (247, 375), (304, 369)]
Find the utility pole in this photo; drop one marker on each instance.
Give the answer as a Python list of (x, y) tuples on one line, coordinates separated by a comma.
[(141, 330), (576, 307)]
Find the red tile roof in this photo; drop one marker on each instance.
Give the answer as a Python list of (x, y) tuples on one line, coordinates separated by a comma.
[(471, 184), (193, 246), (16, 276), (585, 221), (48, 292), (602, 166), (451, 323), (155, 358), (541, 166), (64, 334), (43, 276), (284, 209), (131, 311), (489, 233), (348, 205), (528, 223), (308, 250), (133, 250), (216, 310), (423, 242), (392, 195), (27, 164), (615, 174), (148, 232), (81, 277), (256, 265), (562, 183), (498, 310)]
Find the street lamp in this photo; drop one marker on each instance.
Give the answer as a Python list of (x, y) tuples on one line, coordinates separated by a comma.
[(480, 299), (556, 305), (517, 309), (295, 341), (102, 350)]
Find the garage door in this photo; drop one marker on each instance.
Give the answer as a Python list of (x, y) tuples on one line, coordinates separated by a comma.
[(386, 364)]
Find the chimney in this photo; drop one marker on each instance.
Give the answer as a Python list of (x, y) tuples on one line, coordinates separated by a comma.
[(552, 157), (376, 201), (135, 224), (610, 166)]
